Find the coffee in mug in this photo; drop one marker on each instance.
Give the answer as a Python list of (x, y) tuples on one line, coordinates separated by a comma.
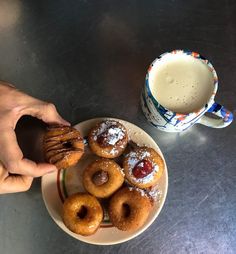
[(180, 88)]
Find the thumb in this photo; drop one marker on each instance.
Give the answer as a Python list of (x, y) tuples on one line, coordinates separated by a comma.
[(30, 168)]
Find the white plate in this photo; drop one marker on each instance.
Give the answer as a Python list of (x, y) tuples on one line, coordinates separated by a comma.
[(56, 186)]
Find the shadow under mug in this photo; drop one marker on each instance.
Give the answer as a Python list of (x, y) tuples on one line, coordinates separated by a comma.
[(166, 120)]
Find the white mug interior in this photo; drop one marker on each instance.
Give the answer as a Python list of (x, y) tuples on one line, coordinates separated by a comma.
[(182, 83)]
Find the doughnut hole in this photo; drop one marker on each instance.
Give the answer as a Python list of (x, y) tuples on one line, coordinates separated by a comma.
[(83, 211), (125, 210), (68, 145)]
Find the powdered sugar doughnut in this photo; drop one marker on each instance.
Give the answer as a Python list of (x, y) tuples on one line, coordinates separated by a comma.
[(143, 167), (108, 139)]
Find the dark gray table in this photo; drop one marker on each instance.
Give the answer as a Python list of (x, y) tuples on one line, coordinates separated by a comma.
[(90, 59)]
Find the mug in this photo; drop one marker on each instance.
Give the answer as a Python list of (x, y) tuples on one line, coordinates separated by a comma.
[(167, 119)]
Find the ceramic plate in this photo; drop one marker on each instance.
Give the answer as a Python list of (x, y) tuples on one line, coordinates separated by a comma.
[(59, 185)]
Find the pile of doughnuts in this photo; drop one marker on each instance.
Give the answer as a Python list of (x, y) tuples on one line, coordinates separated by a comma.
[(121, 175)]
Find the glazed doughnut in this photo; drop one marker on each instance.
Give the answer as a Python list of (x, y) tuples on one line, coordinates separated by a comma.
[(82, 214), (129, 209), (102, 178), (143, 167), (108, 139), (63, 146)]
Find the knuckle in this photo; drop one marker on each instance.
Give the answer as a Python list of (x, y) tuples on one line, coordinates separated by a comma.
[(12, 113), (50, 107), (36, 174), (16, 110), (12, 166)]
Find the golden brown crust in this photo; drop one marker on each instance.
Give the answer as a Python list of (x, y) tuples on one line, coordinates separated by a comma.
[(138, 205), (115, 178), (137, 155), (90, 221), (63, 146), (116, 139)]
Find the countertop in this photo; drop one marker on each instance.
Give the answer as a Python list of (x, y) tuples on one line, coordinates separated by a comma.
[(90, 58)]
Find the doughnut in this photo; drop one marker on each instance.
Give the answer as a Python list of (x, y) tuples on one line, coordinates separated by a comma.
[(108, 139), (63, 146), (129, 209), (82, 214), (143, 167), (102, 178)]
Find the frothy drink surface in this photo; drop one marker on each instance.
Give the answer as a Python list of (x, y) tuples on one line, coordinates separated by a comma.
[(181, 83)]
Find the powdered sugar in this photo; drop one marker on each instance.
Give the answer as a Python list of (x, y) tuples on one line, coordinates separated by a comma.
[(141, 164), (135, 157), (102, 128), (153, 193), (142, 192), (114, 135), (113, 151), (111, 131), (122, 172)]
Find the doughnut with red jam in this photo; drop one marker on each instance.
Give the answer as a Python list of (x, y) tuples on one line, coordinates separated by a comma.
[(143, 167)]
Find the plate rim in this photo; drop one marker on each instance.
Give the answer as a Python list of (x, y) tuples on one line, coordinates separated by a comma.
[(139, 232)]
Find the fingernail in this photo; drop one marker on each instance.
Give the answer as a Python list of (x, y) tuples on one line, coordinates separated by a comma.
[(65, 123)]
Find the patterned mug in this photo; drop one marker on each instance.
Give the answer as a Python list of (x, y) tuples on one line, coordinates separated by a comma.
[(167, 120)]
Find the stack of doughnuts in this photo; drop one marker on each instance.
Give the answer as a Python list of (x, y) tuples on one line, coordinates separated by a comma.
[(120, 175)]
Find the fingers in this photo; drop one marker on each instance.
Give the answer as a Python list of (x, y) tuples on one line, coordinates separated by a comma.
[(48, 113), (12, 158), (12, 183), (10, 152), (22, 181), (5, 83), (15, 104), (30, 168), (20, 104), (3, 172)]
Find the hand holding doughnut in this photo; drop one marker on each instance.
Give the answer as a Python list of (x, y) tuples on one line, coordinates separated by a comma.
[(17, 172)]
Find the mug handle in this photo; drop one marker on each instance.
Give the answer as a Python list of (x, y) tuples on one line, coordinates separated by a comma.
[(225, 117)]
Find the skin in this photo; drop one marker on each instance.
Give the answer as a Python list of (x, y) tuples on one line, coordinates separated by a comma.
[(17, 172)]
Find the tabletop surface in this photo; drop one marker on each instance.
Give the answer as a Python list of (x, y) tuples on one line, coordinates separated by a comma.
[(90, 58)]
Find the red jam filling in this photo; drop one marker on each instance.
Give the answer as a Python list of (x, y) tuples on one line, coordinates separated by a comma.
[(142, 169)]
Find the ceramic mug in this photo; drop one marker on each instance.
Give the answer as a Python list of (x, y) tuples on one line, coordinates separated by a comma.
[(167, 119)]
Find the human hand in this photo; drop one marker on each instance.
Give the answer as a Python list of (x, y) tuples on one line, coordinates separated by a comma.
[(17, 172)]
